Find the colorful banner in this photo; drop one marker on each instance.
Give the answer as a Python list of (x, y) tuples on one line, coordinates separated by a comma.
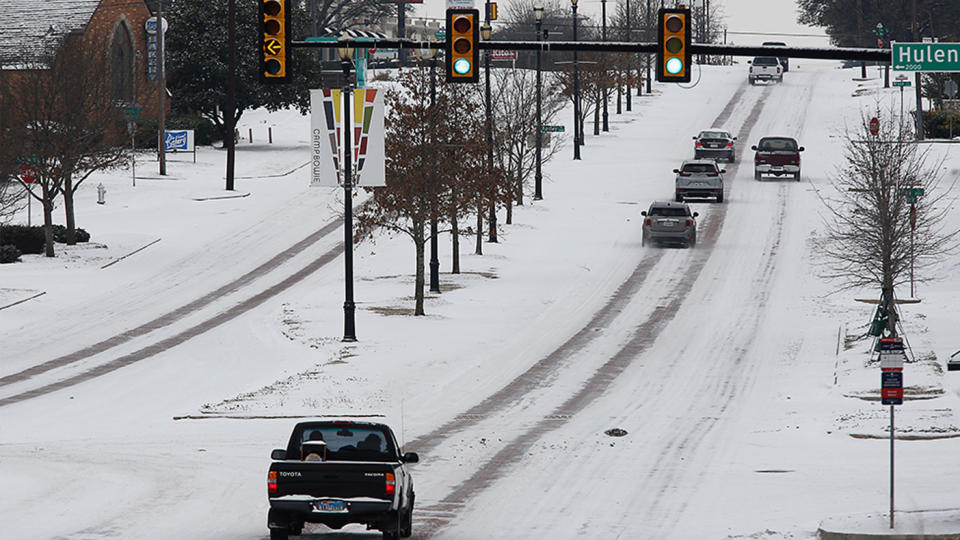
[(365, 129)]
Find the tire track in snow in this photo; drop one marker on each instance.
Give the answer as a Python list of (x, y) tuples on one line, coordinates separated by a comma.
[(440, 514), (173, 316)]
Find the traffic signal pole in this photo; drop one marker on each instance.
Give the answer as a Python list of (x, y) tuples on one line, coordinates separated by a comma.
[(820, 53)]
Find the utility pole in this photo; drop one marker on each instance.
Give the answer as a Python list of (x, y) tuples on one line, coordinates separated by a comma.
[(486, 32), (162, 128), (916, 38), (649, 38), (603, 87), (230, 113), (629, 37)]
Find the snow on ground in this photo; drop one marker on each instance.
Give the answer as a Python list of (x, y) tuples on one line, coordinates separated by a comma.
[(752, 413)]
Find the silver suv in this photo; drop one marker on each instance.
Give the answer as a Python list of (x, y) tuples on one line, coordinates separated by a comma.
[(669, 222), (699, 178)]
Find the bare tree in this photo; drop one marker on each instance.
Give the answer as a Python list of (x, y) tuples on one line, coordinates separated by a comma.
[(68, 125), (515, 113), (875, 236), (11, 193)]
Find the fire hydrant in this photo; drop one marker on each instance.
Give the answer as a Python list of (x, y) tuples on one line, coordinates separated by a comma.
[(101, 194)]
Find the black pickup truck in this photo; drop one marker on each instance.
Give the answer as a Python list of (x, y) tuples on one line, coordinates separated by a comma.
[(339, 472)]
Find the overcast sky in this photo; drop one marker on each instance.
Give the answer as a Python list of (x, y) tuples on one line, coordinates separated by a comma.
[(747, 16)]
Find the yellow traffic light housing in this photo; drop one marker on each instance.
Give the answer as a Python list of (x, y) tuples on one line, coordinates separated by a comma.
[(275, 33), (462, 56), (673, 45)]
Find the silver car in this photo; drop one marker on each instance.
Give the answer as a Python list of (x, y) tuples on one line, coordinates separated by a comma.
[(715, 144), (699, 178), (669, 222)]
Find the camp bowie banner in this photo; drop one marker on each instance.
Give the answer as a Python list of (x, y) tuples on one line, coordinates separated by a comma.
[(365, 129)]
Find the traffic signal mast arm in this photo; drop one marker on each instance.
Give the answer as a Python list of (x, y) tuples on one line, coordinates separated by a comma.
[(822, 53)]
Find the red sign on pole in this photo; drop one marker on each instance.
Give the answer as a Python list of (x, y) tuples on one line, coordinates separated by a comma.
[(27, 174), (874, 126)]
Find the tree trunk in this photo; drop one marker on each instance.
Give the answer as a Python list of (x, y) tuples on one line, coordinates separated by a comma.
[(48, 222), (419, 281), (479, 249), (596, 115), (69, 211), (455, 234), (510, 209), (619, 97)]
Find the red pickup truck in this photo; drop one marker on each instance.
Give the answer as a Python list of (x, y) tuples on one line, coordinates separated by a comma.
[(776, 156)]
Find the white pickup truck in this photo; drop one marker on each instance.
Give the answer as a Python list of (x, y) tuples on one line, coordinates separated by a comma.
[(765, 68)]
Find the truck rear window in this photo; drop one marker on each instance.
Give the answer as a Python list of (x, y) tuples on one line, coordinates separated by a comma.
[(765, 61), (351, 443), (778, 145)]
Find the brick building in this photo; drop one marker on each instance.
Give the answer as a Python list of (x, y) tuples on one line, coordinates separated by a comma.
[(31, 30)]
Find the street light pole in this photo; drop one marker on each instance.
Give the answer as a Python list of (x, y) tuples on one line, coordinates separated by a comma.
[(603, 86), (629, 37), (649, 38), (538, 177), (349, 308), (576, 91), (486, 31), (434, 260), (162, 128)]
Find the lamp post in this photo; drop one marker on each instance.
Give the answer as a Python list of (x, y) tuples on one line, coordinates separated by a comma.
[(349, 308), (538, 177), (431, 54), (649, 38), (576, 90), (485, 32), (603, 86), (628, 64)]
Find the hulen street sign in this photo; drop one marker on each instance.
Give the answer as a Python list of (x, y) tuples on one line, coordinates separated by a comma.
[(925, 56)]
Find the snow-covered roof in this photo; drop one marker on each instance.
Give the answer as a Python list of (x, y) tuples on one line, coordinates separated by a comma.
[(29, 28)]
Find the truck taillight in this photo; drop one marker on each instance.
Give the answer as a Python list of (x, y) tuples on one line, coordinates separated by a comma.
[(778, 70), (649, 222), (272, 482), (391, 486), (751, 69), (688, 223), (729, 144)]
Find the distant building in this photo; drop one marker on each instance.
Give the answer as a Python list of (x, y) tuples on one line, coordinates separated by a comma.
[(33, 29)]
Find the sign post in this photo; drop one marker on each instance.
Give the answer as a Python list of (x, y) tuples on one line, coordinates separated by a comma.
[(891, 389), (28, 176)]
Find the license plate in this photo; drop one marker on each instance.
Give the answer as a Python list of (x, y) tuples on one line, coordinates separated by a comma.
[(776, 168), (330, 506), (713, 145)]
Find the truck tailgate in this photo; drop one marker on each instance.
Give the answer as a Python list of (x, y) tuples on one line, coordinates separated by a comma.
[(342, 479)]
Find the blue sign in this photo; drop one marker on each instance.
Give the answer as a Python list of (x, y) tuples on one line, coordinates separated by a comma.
[(177, 140)]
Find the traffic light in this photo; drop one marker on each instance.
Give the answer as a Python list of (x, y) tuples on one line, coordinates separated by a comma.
[(462, 53), (275, 33), (673, 45)]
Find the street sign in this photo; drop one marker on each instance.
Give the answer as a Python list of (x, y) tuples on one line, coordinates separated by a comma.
[(27, 174), (440, 34), (950, 88), (891, 387), (925, 56), (131, 112), (874, 126), (551, 129), (500, 54), (901, 83), (891, 344), (911, 194)]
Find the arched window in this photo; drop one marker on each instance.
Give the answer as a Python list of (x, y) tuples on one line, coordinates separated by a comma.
[(121, 60)]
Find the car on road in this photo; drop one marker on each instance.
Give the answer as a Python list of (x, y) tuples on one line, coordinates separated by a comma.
[(699, 178), (337, 472), (668, 222), (714, 144), (778, 156), (765, 68), (784, 60)]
